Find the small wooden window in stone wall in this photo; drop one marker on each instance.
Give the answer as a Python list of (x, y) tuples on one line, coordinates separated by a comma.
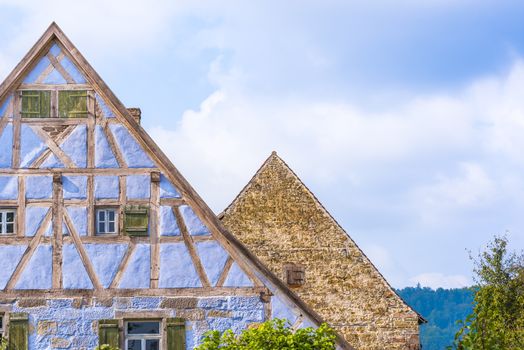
[(295, 275)]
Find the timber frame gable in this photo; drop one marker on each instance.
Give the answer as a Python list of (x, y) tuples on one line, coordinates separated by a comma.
[(79, 177)]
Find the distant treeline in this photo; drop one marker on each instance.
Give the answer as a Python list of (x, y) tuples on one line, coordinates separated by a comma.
[(442, 308)]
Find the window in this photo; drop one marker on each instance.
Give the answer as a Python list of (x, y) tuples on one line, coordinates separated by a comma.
[(143, 335), (72, 104), (136, 220), (36, 104), (106, 221), (7, 221)]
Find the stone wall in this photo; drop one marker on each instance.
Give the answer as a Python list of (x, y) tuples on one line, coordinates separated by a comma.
[(72, 323), (281, 222)]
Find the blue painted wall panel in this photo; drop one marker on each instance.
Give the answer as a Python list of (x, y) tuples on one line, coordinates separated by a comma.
[(39, 187), (4, 104), (138, 186), (11, 255), (78, 216), (137, 273), (75, 146), (167, 190), (132, 152), (106, 259), (6, 146), (106, 111), (8, 187), (55, 78), (38, 272), (168, 224), (193, 223), (31, 146), (52, 162), (73, 71), (176, 267), (237, 277), (279, 309), (75, 187), (106, 187), (104, 156), (37, 71), (55, 50), (213, 258), (74, 274), (33, 219)]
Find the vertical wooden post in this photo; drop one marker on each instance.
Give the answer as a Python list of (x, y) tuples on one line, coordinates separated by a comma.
[(91, 205), (154, 202), (91, 130), (58, 204), (16, 130), (20, 225)]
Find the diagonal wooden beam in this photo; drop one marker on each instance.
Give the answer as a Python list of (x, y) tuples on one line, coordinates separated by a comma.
[(190, 245), (225, 272), (60, 69), (81, 251), (5, 118), (29, 251), (112, 143), (49, 69), (125, 262), (54, 147), (43, 157)]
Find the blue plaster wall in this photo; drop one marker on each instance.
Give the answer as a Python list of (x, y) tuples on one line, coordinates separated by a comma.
[(8, 187), (104, 156), (3, 106), (33, 219), (106, 187), (77, 326), (279, 309), (52, 162), (193, 223), (106, 111), (75, 146), (6, 146), (106, 259), (31, 146), (32, 76), (167, 190), (137, 273), (168, 224), (213, 258), (133, 154), (54, 77), (39, 187), (74, 187), (237, 277), (138, 186), (73, 71), (11, 255), (176, 267), (38, 272), (74, 274), (78, 216)]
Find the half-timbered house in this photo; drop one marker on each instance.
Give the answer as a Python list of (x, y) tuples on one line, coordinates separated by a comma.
[(102, 241)]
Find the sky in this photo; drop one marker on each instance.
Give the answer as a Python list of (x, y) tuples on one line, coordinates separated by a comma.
[(405, 118)]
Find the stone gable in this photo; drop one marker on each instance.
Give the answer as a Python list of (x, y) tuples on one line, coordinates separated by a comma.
[(281, 221)]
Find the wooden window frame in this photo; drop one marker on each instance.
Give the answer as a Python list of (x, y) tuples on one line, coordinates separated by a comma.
[(135, 231), (4, 223), (117, 221), (3, 321), (72, 114), (54, 101), (144, 337), (30, 114)]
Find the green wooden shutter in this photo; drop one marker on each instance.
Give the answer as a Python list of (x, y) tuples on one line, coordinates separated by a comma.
[(108, 333), (72, 104), (18, 331), (136, 220), (35, 104), (176, 334)]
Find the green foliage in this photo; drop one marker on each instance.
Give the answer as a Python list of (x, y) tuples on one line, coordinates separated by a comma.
[(271, 335), (103, 347), (3, 344), (497, 320), (442, 308)]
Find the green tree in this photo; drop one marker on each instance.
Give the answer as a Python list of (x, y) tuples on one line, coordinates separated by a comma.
[(271, 335), (497, 321)]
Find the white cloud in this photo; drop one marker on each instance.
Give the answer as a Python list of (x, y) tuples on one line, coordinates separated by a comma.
[(439, 280)]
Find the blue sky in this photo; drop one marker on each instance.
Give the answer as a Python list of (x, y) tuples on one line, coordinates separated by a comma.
[(404, 117)]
